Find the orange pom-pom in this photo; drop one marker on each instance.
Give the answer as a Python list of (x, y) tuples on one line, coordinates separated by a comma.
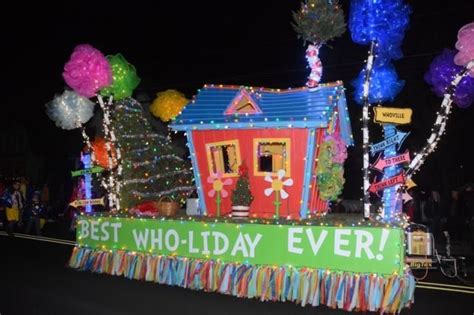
[(101, 156)]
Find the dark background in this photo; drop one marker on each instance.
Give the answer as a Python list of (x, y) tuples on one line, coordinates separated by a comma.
[(183, 46)]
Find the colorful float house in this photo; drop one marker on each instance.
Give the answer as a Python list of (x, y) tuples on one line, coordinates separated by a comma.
[(276, 133), (325, 260)]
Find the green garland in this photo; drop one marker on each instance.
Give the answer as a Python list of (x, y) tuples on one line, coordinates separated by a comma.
[(330, 174), (319, 21)]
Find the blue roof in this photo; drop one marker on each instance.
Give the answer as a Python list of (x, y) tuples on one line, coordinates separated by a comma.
[(291, 108)]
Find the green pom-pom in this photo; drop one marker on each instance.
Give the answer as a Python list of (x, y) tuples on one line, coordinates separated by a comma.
[(125, 78)]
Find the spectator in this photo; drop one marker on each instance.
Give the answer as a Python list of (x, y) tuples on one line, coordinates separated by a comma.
[(24, 188), (433, 212), (14, 205), (45, 195), (410, 207), (37, 213), (469, 199), (3, 217), (338, 207), (456, 216)]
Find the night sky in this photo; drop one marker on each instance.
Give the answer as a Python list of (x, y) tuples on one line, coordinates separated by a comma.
[(177, 45)]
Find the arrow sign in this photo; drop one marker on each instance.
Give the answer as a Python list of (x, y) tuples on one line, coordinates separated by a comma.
[(396, 139), (83, 202), (392, 181), (95, 169), (410, 184), (406, 197), (380, 164), (390, 115)]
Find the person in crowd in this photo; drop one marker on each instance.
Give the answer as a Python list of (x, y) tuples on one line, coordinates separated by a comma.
[(433, 212), (3, 216), (410, 207), (23, 188), (14, 203), (337, 206), (469, 200), (45, 195), (456, 221), (37, 214)]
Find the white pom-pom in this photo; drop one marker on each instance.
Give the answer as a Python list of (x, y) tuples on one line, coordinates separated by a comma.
[(70, 110)]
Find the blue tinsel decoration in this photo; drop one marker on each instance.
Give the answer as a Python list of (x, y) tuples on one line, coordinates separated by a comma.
[(384, 84), (382, 21)]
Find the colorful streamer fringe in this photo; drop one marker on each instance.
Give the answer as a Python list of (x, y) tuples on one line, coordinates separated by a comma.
[(343, 290)]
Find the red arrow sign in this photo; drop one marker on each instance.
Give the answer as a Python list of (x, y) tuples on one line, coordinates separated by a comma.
[(380, 164), (392, 181)]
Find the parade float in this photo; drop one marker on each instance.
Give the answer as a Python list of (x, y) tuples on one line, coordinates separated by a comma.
[(266, 163)]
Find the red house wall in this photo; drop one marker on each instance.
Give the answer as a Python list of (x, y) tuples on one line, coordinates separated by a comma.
[(262, 206)]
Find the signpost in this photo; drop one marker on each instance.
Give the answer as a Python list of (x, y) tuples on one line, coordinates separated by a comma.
[(389, 182), (86, 171), (396, 139), (381, 163), (86, 202), (397, 116), (389, 162)]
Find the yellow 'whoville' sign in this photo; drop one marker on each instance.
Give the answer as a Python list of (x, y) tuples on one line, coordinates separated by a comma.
[(390, 115)]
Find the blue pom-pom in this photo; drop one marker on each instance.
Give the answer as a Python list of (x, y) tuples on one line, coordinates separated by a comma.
[(384, 84), (382, 21)]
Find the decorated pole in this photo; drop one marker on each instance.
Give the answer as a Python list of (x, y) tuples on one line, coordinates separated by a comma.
[(86, 160), (451, 75), (365, 131), (391, 204), (440, 124), (109, 182), (312, 56), (125, 80), (389, 165), (380, 24)]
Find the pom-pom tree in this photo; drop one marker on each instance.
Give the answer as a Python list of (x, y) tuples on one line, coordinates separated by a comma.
[(450, 75), (89, 72), (318, 22)]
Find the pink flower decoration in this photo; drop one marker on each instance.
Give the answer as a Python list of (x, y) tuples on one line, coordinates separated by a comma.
[(465, 45), (87, 71), (340, 151), (218, 185)]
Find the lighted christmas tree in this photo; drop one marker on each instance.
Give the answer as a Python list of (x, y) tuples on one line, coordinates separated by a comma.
[(150, 167), (241, 195)]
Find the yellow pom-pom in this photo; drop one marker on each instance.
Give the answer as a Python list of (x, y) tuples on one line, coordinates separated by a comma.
[(168, 104)]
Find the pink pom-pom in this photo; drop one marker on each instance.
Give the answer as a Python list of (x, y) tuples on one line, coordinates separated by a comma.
[(87, 71), (465, 45)]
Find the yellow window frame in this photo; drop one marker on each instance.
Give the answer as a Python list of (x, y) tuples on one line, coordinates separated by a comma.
[(256, 143), (235, 143)]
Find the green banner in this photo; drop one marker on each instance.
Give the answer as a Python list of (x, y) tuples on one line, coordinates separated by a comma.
[(95, 169), (357, 249)]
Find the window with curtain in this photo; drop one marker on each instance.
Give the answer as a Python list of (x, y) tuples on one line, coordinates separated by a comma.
[(271, 155), (223, 157)]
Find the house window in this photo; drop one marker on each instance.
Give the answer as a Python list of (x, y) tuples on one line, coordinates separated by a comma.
[(243, 103), (271, 155), (223, 157)]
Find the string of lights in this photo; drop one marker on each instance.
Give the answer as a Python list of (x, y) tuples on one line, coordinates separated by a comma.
[(162, 193), (110, 182), (153, 177), (156, 159), (440, 123), (365, 130)]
